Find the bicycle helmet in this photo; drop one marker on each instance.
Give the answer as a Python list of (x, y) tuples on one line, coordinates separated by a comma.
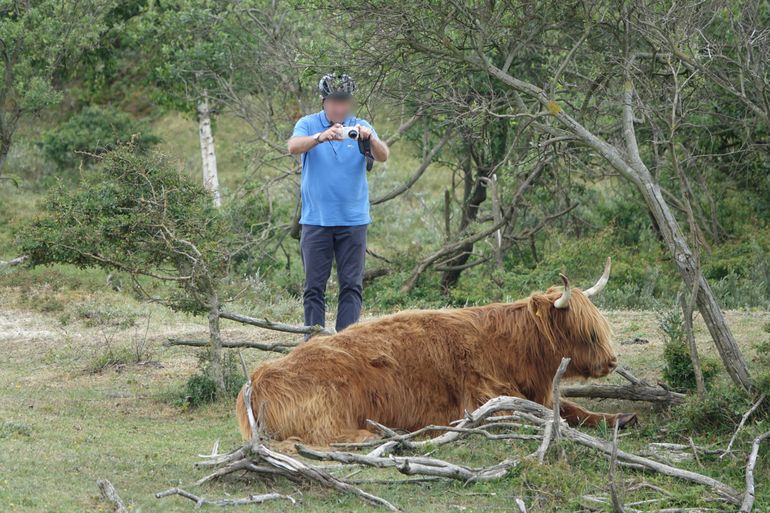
[(336, 86)]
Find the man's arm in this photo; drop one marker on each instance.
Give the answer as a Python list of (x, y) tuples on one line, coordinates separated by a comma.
[(304, 143), (380, 150)]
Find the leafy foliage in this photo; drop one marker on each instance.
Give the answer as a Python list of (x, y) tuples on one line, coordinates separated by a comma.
[(678, 369), (200, 389), (139, 214), (38, 38), (92, 132)]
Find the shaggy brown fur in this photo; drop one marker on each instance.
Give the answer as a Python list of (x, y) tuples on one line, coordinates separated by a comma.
[(416, 368)]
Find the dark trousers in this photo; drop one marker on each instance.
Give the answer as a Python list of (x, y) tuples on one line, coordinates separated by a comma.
[(347, 245)]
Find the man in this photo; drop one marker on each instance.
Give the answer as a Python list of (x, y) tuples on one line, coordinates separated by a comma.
[(335, 199)]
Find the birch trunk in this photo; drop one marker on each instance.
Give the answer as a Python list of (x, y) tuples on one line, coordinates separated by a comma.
[(208, 153)]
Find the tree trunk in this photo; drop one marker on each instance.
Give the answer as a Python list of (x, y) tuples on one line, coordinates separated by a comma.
[(215, 347), (208, 154), (691, 275), (485, 160), (4, 150)]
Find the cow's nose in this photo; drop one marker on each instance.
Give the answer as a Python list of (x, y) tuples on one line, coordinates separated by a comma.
[(613, 364)]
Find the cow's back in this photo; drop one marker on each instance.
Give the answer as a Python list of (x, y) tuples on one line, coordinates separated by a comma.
[(406, 371)]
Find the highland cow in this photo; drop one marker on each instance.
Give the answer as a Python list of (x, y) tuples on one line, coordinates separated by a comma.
[(417, 368)]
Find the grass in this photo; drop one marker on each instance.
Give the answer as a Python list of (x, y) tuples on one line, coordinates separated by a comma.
[(63, 426)]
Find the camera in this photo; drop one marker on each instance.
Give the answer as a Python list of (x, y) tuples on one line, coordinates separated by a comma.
[(349, 132)]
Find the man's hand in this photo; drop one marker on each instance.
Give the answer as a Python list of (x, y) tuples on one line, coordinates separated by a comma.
[(332, 133), (303, 143), (380, 150), (364, 132)]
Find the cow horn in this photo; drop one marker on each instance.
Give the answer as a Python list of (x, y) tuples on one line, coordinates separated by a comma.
[(602, 281), (563, 301)]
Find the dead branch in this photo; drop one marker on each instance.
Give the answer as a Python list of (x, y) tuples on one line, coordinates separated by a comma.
[(298, 470), (617, 504), (406, 125), (557, 396), (277, 347), (748, 497), (418, 465), (277, 326), (426, 162), (744, 418), (14, 261), (200, 501), (499, 418), (110, 494), (630, 377), (372, 274), (552, 430), (631, 392)]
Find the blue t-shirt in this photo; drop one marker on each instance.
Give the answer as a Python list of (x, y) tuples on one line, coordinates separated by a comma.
[(334, 187)]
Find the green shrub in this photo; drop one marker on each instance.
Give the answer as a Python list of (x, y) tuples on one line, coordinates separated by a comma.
[(10, 428), (678, 370), (761, 370), (200, 389), (718, 411), (110, 357), (94, 130)]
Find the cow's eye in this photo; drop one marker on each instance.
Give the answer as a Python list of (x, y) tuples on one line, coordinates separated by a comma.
[(593, 337)]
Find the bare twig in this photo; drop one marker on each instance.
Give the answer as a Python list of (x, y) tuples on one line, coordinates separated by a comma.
[(744, 418)]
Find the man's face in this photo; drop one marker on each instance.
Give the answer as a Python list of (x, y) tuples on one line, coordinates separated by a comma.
[(338, 109)]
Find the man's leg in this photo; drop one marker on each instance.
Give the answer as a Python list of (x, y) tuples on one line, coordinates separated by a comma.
[(350, 252), (317, 246)]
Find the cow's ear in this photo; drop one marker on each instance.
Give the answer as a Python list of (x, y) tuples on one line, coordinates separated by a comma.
[(541, 309)]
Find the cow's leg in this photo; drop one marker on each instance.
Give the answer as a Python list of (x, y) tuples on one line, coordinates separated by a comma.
[(356, 436), (578, 416)]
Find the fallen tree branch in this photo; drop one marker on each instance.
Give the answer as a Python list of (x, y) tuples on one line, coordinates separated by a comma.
[(417, 465), (14, 261), (498, 418), (631, 392), (277, 347), (749, 496), (110, 494), (200, 501), (277, 326)]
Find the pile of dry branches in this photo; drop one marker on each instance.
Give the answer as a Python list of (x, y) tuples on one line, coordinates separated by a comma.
[(501, 418)]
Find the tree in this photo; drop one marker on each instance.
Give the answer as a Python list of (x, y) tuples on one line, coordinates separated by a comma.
[(38, 39), (581, 59), (138, 214)]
